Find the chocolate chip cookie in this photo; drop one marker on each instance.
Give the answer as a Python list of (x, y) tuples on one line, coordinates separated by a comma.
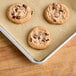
[(19, 13), (39, 37), (56, 13)]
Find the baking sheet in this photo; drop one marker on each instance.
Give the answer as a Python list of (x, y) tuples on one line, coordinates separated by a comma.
[(20, 32)]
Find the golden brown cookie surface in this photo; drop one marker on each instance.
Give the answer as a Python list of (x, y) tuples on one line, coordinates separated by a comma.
[(56, 13), (19, 13), (39, 38)]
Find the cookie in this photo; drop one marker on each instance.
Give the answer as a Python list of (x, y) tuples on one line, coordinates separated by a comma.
[(39, 38), (19, 13), (56, 13)]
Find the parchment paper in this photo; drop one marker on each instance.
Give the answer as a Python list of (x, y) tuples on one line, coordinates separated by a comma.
[(59, 33)]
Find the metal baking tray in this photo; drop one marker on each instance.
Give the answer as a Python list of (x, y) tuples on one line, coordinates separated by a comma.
[(17, 34)]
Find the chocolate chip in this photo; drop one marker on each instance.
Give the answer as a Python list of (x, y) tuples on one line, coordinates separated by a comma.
[(12, 14), (43, 40), (38, 37), (24, 6), (30, 39), (35, 36), (53, 6), (46, 34), (31, 12), (14, 17), (54, 20), (47, 40), (16, 9), (17, 17), (61, 10)]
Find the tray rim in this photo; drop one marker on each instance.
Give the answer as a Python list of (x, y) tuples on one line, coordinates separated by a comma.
[(25, 52)]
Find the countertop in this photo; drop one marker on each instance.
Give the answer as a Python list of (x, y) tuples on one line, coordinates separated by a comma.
[(14, 63)]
